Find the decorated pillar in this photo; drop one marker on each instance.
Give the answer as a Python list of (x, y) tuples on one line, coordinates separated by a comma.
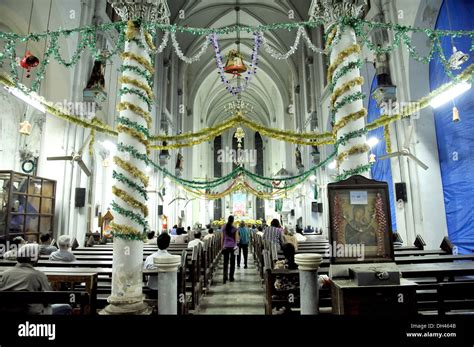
[(345, 82), (130, 180), (308, 264)]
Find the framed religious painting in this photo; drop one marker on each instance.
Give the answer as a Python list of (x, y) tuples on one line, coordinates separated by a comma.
[(360, 221)]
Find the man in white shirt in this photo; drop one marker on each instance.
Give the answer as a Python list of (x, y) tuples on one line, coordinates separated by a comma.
[(163, 242), (196, 241)]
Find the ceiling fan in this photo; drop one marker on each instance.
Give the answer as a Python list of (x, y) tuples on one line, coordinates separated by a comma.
[(76, 157), (405, 151)]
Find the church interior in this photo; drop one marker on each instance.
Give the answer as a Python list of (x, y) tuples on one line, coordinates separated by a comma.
[(271, 157)]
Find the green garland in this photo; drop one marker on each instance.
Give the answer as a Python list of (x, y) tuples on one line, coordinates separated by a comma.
[(143, 73), (357, 64), (346, 100), (137, 92), (134, 125), (136, 217), (123, 179), (355, 171)]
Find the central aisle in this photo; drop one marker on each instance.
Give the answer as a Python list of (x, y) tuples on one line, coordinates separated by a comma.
[(244, 296)]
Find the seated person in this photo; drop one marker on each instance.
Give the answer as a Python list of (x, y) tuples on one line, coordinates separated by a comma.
[(45, 247), (173, 231), (210, 234), (64, 242), (196, 241), (299, 235), (24, 277), (17, 243), (288, 237), (181, 237), (151, 240), (163, 242)]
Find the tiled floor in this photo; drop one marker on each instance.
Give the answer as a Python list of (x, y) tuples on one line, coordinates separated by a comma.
[(244, 296)]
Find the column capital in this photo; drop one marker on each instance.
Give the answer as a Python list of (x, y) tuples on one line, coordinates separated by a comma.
[(167, 263), (308, 261)]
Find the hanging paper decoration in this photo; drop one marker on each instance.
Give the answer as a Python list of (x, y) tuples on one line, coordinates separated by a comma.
[(28, 62)]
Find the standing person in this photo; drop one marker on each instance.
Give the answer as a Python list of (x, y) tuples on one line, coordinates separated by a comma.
[(244, 236), (229, 242)]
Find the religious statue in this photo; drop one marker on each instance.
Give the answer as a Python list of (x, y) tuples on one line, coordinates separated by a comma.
[(359, 230), (97, 79), (179, 162), (299, 161)]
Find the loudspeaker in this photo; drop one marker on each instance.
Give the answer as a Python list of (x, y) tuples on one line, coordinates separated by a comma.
[(80, 197), (320, 207), (447, 245), (419, 242), (160, 210), (292, 213), (401, 191)]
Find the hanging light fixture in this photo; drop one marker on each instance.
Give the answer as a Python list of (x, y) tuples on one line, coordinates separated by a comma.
[(372, 158), (235, 62)]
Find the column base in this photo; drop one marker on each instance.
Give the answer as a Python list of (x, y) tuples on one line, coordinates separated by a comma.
[(123, 307)]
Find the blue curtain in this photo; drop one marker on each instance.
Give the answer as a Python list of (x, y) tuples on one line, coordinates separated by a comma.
[(456, 140), (381, 170)]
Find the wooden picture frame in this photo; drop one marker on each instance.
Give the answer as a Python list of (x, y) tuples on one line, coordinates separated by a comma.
[(360, 228)]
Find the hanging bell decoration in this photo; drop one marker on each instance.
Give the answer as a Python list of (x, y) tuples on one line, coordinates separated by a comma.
[(28, 62), (235, 63), (372, 158), (456, 115), (25, 128)]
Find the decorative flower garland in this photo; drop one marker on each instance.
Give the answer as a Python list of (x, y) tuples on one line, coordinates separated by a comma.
[(132, 170), (130, 200), (252, 69)]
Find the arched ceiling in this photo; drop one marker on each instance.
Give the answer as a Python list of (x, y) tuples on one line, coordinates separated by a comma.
[(270, 89)]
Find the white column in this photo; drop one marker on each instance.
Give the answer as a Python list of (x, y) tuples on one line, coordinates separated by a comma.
[(308, 264), (347, 40), (168, 284)]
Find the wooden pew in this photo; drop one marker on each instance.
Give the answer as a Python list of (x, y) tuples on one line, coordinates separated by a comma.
[(73, 280), (10, 301)]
